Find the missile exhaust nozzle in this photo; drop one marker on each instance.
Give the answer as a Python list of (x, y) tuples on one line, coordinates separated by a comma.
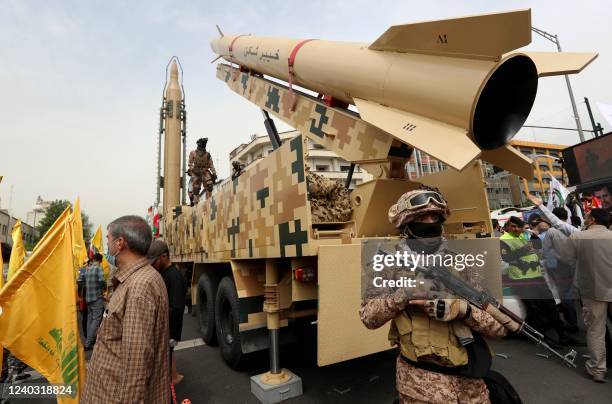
[(504, 102)]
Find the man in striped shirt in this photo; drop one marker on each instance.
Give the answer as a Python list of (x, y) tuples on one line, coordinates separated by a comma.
[(92, 281)]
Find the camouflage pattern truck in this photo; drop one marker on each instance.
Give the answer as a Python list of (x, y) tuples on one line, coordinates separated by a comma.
[(265, 259), (262, 260)]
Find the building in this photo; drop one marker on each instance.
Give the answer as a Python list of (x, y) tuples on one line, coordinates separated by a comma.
[(6, 226), (38, 212), (422, 164), (503, 188), (320, 160), (547, 161)]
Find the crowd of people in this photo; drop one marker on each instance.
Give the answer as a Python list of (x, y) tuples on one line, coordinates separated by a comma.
[(133, 319), (132, 359), (545, 259), (559, 268)]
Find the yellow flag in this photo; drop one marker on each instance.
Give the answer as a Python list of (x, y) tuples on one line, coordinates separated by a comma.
[(1, 285), (59, 222), (38, 320), (79, 250), (18, 252), (1, 278), (98, 247)]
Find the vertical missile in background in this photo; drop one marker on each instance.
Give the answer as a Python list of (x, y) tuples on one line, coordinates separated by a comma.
[(455, 89), (172, 120)]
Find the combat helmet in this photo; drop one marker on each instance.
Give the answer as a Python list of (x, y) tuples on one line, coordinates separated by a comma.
[(202, 142), (417, 202)]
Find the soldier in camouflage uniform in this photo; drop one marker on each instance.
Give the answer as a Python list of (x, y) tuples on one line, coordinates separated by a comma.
[(237, 169), (329, 199), (201, 170), (433, 335)]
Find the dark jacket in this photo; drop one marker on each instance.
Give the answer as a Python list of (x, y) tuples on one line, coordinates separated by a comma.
[(177, 289)]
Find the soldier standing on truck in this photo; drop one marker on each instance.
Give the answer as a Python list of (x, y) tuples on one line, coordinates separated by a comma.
[(201, 170), (443, 355)]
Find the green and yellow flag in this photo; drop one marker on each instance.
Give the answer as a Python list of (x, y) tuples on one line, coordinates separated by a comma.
[(79, 250), (98, 247), (38, 319), (59, 222), (18, 252)]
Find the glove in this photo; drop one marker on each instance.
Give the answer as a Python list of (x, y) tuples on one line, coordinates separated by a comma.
[(190, 172), (447, 309)]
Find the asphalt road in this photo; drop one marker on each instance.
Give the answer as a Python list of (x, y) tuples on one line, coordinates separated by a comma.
[(369, 379)]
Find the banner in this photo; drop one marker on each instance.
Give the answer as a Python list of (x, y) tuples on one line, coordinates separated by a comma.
[(79, 250), (59, 222), (38, 320), (18, 252), (557, 193), (97, 247)]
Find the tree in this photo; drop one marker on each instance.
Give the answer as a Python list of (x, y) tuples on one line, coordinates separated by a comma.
[(52, 213), (87, 226)]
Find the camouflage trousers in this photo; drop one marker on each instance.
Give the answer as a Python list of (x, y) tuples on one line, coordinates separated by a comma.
[(196, 183), (416, 386)]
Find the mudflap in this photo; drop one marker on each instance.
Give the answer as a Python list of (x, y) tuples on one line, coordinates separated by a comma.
[(340, 333)]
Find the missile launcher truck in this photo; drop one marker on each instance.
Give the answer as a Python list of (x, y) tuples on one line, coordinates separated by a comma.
[(260, 263)]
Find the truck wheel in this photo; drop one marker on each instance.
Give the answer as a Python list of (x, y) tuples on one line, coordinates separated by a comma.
[(227, 314), (207, 289)]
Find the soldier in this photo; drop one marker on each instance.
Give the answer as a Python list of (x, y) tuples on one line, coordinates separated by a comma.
[(201, 170), (443, 356), (237, 169), (329, 199)]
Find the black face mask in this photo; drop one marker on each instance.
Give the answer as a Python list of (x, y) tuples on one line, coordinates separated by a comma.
[(425, 230)]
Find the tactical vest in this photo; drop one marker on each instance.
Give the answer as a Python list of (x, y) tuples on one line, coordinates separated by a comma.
[(201, 162), (419, 335), (524, 265)]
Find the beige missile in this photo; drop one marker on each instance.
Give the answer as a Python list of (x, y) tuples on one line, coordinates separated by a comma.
[(173, 96), (451, 88)]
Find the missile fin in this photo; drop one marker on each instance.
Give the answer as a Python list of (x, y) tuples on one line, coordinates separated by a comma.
[(449, 144), (485, 36), (559, 63), (510, 159)]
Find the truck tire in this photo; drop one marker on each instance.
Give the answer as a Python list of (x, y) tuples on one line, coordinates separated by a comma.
[(207, 291), (227, 314)]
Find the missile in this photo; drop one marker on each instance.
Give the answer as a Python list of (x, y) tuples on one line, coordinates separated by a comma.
[(171, 115), (460, 81)]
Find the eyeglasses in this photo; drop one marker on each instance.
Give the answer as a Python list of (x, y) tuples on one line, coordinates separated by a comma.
[(422, 199)]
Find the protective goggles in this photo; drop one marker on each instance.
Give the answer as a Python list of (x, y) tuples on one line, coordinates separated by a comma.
[(422, 199)]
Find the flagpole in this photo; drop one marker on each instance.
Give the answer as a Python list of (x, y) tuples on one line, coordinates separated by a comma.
[(555, 39)]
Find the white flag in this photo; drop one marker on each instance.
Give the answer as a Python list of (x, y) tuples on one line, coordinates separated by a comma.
[(557, 196), (557, 193), (606, 111)]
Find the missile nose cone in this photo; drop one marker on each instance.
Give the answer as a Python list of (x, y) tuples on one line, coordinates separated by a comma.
[(214, 45), (173, 84), (174, 71)]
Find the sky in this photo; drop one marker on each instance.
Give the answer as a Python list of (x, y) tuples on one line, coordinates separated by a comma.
[(83, 83)]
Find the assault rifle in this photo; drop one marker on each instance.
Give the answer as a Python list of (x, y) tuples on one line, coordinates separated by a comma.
[(483, 301)]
